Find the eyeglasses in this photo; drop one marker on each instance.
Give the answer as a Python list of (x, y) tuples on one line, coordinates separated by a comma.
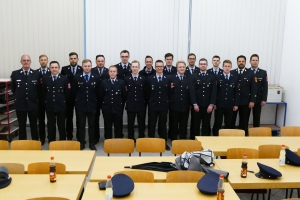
[(26, 60), (124, 56), (202, 64)]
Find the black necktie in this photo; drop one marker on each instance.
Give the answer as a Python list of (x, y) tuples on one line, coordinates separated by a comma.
[(86, 78), (26, 74), (73, 70), (124, 66), (44, 71), (54, 78), (254, 71), (203, 74), (226, 77), (135, 78), (112, 81), (215, 72), (159, 79), (181, 78), (192, 71), (241, 71)]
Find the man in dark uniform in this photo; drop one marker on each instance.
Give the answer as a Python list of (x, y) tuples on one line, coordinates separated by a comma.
[(102, 72), (69, 71), (203, 91), (227, 98), (56, 89), (112, 99), (169, 68), (26, 86), (158, 92), (262, 89), (148, 69), (124, 66), (135, 102), (86, 91), (215, 69), (43, 70), (179, 102), (247, 93)]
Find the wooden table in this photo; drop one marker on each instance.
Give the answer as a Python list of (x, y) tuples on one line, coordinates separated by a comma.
[(77, 162), (152, 191), (25, 186), (109, 165), (290, 174), (219, 145)]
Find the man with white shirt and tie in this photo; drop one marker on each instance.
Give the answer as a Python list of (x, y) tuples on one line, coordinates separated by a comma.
[(70, 71), (148, 69), (135, 101), (215, 69), (124, 66), (158, 102), (112, 100), (191, 68), (227, 98), (247, 93), (56, 91), (169, 68), (262, 89), (43, 70)]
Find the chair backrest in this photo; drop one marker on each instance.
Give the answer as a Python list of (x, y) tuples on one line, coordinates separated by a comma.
[(49, 198), (118, 145), (138, 175), (237, 153), (183, 176), (152, 145), (269, 150), (231, 132), (180, 146), (260, 131), (290, 131), (44, 167), (298, 152), (64, 145), (14, 168), (25, 145), (3, 145)]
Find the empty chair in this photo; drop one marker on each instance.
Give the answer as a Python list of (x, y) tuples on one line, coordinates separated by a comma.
[(25, 145), (118, 146), (64, 145), (231, 132), (49, 198), (3, 145), (14, 168), (183, 176), (180, 146), (260, 131), (151, 145), (269, 151), (237, 153), (43, 168), (290, 131), (138, 176)]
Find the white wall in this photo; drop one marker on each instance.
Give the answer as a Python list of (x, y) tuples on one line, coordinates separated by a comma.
[(148, 27), (35, 27), (290, 70)]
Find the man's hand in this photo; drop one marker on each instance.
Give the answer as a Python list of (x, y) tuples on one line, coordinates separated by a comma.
[(251, 104), (196, 108)]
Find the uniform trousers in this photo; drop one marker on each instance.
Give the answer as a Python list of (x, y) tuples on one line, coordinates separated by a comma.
[(141, 123), (90, 117), (227, 113), (178, 124), (204, 117), (22, 119), (53, 119), (42, 131), (69, 121), (111, 119), (256, 111), (244, 112), (97, 122), (162, 117)]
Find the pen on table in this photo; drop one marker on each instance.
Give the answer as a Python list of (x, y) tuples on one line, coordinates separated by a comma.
[(250, 171)]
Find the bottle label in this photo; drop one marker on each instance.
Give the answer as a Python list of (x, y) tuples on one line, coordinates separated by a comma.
[(282, 161), (244, 172), (220, 195)]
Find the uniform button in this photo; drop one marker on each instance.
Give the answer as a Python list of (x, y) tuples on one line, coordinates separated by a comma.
[(112, 102), (203, 95), (158, 102), (53, 91), (159, 92), (159, 86), (135, 95), (158, 97), (87, 95), (181, 94), (181, 90), (225, 98), (86, 87), (26, 93), (135, 99), (87, 100), (26, 88), (26, 98), (239, 89), (135, 87), (53, 99), (53, 87), (112, 98), (226, 88), (134, 91), (26, 83), (53, 95), (112, 94)]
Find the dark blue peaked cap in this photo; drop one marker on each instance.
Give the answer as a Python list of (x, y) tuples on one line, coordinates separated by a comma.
[(208, 184), (291, 158), (5, 179), (122, 185), (267, 172)]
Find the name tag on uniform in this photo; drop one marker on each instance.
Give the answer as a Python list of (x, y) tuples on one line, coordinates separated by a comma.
[(34, 81), (80, 83), (18, 80)]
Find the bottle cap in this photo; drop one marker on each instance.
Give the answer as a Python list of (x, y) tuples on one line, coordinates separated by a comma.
[(245, 154), (52, 157), (221, 176), (109, 176), (283, 145)]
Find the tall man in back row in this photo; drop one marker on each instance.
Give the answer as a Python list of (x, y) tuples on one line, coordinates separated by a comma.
[(247, 84), (169, 68), (262, 89), (124, 66)]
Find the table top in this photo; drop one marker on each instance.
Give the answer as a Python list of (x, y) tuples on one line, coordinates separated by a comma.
[(77, 162), (104, 166), (289, 179), (151, 191), (25, 186), (219, 145)]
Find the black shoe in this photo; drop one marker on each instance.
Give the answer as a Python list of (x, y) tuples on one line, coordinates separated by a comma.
[(92, 147), (167, 148), (43, 141), (82, 146)]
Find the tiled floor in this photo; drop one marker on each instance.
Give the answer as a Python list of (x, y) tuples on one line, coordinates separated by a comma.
[(276, 194)]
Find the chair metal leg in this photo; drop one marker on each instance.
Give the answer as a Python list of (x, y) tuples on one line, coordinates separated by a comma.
[(286, 193), (291, 194), (269, 194), (298, 190), (263, 195), (252, 196)]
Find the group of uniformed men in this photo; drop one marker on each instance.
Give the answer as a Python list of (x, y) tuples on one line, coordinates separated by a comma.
[(180, 90)]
